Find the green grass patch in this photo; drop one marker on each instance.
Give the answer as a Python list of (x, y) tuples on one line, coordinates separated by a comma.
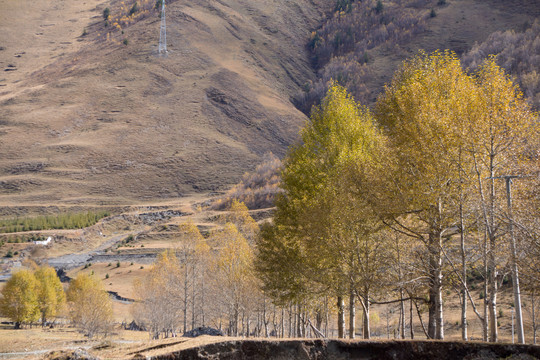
[(50, 222)]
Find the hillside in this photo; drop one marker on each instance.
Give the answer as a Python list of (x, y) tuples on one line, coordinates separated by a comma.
[(89, 114), (362, 44), (89, 119)]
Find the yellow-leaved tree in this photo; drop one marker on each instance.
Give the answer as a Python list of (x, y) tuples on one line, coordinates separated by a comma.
[(325, 235), (50, 293), (19, 301), (233, 274), (159, 308), (90, 307), (192, 252)]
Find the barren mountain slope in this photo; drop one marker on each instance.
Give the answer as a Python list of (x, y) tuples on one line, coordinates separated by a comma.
[(88, 119)]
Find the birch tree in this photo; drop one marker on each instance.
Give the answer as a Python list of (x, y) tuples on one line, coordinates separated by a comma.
[(498, 141), (420, 111), (323, 220), (90, 307), (233, 274), (160, 308), (19, 298), (50, 293)]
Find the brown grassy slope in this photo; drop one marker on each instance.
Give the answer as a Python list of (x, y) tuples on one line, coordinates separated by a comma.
[(97, 121)]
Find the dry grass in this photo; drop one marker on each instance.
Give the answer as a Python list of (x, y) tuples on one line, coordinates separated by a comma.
[(39, 339), (120, 279), (96, 122)]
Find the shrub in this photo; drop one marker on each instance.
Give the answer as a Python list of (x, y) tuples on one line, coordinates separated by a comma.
[(341, 47), (118, 264), (517, 53), (432, 13), (106, 13), (9, 254), (126, 42), (379, 7), (257, 189), (134, 8), (441, 2), (343, 5), (107, 276)]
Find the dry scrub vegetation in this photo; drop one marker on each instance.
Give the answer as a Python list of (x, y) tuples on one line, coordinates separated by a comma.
[(257, 189), (518, 53), (363, 42), (341, 46)]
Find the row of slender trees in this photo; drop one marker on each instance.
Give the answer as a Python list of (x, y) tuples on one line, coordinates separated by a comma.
[(203, 281), (411, 198)]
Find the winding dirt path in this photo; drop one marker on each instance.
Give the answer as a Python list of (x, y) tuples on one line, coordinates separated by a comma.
[(71, 261)]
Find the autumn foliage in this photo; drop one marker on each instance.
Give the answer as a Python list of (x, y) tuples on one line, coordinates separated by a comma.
[(257, 189)]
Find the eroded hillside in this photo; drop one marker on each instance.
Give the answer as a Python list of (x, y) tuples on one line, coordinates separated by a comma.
[(102, 119)]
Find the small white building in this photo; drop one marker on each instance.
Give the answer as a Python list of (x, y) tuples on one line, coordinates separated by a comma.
[(44, 242)]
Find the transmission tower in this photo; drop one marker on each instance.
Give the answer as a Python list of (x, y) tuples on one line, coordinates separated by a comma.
[(162, 48)]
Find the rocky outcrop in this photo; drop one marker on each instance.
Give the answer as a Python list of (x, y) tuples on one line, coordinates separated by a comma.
[(203, 330), (335, 349)]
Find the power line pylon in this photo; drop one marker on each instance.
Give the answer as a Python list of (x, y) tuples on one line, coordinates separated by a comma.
[(162, 48)]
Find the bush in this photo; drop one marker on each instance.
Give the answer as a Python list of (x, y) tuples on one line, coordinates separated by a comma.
[(126, 42), (441, 2), (134, 9), (379, 7), (118, 264), (106, 13), (9, 254), (257, 189), (341, 47), (517, 53), (432, 13), (106, 276)]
